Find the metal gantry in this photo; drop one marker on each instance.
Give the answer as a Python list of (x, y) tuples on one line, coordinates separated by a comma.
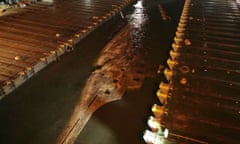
[(200, 100), (41, 32)]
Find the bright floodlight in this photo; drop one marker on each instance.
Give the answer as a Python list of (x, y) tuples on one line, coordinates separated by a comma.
[(150, 137), (153, 123), (138, 4), (166, 133)]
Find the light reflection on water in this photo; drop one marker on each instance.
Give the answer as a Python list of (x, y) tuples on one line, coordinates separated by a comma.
[(137, 21)]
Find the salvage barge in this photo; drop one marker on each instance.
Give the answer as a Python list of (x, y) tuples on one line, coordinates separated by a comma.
[(199, 101), (40, 33)]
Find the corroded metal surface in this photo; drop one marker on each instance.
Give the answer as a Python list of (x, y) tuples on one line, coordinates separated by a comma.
[(201, 96), (41, 32)]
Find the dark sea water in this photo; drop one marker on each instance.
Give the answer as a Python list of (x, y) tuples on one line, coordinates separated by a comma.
[(124, 121), (37, 112)]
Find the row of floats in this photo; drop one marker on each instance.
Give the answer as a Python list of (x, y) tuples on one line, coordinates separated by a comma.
[(202, 75), (158, 132), (16, 71)]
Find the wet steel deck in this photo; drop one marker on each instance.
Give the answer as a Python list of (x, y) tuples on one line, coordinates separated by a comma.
[(41, 32), (203, 78)]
